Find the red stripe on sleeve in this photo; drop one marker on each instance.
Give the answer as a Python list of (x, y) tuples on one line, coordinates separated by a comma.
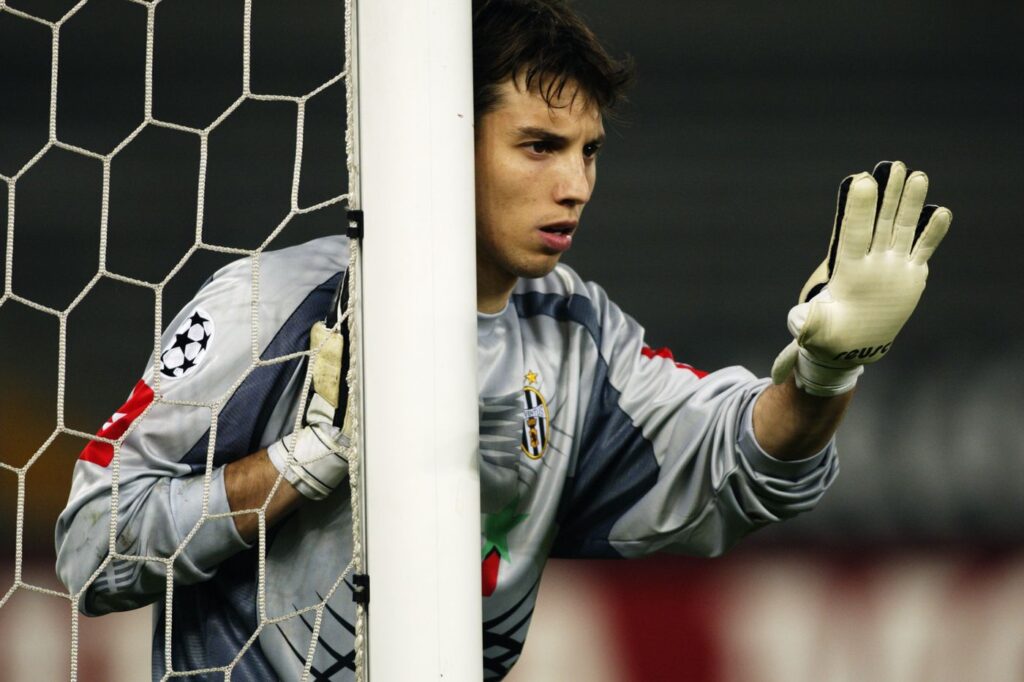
[(103, 453), (665, 352)]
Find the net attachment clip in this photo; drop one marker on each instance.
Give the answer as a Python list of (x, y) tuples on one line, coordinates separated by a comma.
[(361, 589), (354, 218)]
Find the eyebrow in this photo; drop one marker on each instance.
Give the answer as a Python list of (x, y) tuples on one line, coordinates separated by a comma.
[(554, 138)]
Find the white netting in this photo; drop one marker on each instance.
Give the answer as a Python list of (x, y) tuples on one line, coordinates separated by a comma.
[(11, 297)]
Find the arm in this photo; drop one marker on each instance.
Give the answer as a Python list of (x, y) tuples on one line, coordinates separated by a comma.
[(311, 462), (791, 424), (667, 459), (248, 482), (170, 501), (162, 501)]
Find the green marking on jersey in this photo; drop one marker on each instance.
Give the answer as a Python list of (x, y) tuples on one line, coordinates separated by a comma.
[(498, 526)]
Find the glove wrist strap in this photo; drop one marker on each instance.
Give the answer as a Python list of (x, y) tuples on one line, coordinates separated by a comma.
[(816, 378), (316, 468)]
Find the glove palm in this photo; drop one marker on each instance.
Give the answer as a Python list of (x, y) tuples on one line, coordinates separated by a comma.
[(858, 299)]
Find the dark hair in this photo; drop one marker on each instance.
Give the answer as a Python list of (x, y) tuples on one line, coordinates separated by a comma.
[(548, 45)]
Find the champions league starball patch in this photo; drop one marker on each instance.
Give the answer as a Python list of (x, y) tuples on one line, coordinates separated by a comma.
[(188, 348)]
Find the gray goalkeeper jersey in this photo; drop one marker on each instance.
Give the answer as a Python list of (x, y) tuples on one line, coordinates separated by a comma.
[(592, 444)]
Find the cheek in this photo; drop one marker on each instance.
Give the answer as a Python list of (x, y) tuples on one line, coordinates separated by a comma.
[(512, 190)]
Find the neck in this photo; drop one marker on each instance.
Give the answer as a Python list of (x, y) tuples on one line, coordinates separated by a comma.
[(493, 289)]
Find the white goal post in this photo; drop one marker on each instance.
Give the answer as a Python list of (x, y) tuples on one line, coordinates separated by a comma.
[(416, 189)]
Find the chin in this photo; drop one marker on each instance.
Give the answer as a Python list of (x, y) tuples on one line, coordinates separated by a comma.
[(505, 267), (536, 270)]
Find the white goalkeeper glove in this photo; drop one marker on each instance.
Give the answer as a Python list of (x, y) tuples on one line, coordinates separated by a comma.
[(313, 459), (858, 299)]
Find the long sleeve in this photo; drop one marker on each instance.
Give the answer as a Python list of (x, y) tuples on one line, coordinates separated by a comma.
[(169, 493), (667, 459)]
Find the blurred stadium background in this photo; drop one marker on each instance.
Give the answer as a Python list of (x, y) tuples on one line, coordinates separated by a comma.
[(714, 203)]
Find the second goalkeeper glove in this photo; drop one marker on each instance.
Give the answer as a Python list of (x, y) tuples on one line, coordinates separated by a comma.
[(313, 459)]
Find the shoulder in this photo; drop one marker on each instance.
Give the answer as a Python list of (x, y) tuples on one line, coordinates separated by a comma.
[(279, 280), (263, 295), (326, 255), (303, 266)]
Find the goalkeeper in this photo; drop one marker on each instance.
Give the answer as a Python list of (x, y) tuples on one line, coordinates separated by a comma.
[(592, 444)]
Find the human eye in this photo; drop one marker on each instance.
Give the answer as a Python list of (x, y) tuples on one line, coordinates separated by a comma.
[(590, 150), (540, 146)]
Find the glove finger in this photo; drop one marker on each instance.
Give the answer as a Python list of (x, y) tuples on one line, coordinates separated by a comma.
[(784, 362), (796, 319), (934, 230), (833, 242), (911, 203), (328, 347), (890, 176), (858, 220)]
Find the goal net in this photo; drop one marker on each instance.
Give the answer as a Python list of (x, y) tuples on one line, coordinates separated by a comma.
[(143, 146)]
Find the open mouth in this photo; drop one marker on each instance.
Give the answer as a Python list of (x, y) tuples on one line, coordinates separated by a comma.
[(558, 229), (557, 238)]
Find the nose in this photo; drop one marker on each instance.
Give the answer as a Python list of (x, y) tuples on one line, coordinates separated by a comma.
[(575, 182)]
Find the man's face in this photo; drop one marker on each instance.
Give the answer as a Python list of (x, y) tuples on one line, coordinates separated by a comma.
[(536, 166)]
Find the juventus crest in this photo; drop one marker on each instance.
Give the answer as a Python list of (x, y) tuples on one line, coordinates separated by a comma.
[(536, 420)]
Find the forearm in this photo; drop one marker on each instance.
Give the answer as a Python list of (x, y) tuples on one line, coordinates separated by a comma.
[(248, 483), (309, 463), (791, 424), (174, 514)]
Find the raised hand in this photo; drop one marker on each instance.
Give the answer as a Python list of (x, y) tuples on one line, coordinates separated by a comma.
[(858, 299)]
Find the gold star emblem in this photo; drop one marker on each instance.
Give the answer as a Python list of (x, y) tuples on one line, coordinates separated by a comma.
[(531, 377)]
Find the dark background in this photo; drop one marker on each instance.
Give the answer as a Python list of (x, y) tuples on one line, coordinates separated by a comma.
[(715, 199)]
